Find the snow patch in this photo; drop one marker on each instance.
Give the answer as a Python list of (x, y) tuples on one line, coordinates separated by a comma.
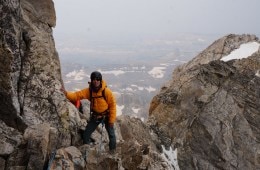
[(135, 110), (115, 72), (157, 72), (119, 110), (150, 89), (244, 51), (171, 157), (257, 73), (129, 89), (76, 75)]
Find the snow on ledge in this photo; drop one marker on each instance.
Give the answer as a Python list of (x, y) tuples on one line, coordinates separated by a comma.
[(244, 51), (119, 110), (171, 157), (257, 73)]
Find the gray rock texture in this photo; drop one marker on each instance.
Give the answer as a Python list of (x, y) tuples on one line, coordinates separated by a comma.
[(40, 129), (210, 110), (30, 69)]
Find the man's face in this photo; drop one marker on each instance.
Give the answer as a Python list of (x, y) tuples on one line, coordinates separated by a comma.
[(96, 82)]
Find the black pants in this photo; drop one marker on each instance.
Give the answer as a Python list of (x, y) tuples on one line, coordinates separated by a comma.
[(91, 127)]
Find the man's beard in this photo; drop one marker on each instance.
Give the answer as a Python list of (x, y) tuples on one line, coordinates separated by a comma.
[(95, 89)]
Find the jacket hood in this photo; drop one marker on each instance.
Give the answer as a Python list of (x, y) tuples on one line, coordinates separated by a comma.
[(103, 85)]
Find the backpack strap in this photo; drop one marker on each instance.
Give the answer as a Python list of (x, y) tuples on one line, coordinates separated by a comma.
[(91, 100), (103, 94)]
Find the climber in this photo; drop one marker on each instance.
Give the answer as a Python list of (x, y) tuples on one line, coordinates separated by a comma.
[(102, 107)]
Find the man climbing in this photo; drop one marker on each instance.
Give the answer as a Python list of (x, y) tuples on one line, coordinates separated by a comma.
[(102, 107)]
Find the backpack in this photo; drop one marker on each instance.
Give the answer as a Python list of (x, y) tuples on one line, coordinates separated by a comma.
[(91, 98)]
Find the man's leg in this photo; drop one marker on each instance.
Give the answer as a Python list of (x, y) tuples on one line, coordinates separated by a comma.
[(112, 136), (90, 128)]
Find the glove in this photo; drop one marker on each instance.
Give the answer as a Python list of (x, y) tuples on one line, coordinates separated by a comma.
[(111, 125)]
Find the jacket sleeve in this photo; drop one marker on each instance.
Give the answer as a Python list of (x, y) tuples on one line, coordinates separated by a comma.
[(111, 101), (78, 95)]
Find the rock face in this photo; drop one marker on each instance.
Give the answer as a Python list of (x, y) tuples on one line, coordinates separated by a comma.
[(40, 129), (210, 110), (30, 72)]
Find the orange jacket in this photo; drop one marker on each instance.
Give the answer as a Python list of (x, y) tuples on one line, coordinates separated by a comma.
[(99, 104), (77, 104)]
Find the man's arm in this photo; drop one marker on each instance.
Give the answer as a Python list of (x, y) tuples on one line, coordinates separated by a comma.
[(111, 101), (78, 95)]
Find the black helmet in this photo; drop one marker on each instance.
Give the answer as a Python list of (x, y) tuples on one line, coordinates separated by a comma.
[(96, 75)]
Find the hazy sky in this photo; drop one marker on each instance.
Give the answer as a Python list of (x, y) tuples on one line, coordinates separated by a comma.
[(122, 18)]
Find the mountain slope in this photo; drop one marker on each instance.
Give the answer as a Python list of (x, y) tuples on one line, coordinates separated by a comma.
[(210, 112)]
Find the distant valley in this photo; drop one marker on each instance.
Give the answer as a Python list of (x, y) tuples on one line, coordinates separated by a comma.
[(134, 71)]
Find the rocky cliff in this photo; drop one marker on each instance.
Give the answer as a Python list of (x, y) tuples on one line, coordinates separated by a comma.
[(40, 129), (210, 110)]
